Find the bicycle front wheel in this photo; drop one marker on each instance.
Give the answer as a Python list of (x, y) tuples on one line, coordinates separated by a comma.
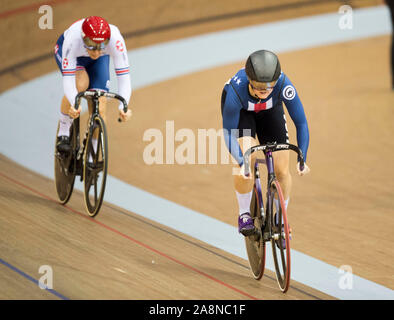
[(95, 166), (255, 245), (280, 240), (64, 167)]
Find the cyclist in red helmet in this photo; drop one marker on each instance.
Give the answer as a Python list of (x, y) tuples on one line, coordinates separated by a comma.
[(82, 54)]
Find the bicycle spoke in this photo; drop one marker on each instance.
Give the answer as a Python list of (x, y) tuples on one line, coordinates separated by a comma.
[(95, 189), (89, 181), (99, 147)]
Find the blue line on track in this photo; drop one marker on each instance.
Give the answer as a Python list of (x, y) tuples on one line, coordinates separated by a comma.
[(25, 275)]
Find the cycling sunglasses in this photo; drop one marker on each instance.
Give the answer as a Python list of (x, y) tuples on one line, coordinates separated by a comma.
[(262, 86), (91, 45)]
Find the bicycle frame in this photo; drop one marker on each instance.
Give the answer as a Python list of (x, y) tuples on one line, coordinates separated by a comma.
[(89, 127), (268, 149), (278, 233), (266, 227), (94, 96)]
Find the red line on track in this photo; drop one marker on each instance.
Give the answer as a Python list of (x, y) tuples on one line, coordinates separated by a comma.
[(30, 7), (130, 238)]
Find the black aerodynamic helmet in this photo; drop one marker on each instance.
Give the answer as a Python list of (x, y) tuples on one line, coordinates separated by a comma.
[(263, 66)]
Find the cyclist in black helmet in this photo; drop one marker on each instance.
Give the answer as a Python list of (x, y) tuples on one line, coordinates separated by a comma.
[(251, 105)]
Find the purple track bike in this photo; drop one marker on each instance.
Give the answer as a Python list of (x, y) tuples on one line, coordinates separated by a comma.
[(272, 223)]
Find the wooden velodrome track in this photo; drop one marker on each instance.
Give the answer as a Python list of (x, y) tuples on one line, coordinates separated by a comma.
[(341, 213)]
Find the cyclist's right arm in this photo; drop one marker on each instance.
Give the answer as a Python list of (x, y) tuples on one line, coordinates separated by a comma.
[(69, 65), (230, 113)]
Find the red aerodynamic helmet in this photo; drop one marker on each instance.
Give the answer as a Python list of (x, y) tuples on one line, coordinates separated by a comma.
[(95, 31)]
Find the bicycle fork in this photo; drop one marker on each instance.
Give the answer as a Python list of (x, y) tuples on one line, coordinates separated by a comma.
[(259, 193), (260, 216), (269, 196)]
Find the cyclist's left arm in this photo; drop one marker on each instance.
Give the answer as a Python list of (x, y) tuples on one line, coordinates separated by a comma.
[(118, 52), (296, 111)]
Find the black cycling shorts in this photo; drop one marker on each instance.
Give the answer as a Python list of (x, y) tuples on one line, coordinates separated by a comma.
[(269, 125)]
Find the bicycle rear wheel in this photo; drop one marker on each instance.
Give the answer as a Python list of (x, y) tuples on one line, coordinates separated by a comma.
[(64, 167), (255, 245), (280, 241), (95, 166)]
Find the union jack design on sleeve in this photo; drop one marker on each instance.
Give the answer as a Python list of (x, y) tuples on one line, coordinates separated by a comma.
[(122, 71), (70, 72)]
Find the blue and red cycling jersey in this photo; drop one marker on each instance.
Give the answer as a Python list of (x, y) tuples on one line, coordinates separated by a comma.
[(238, 97)]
